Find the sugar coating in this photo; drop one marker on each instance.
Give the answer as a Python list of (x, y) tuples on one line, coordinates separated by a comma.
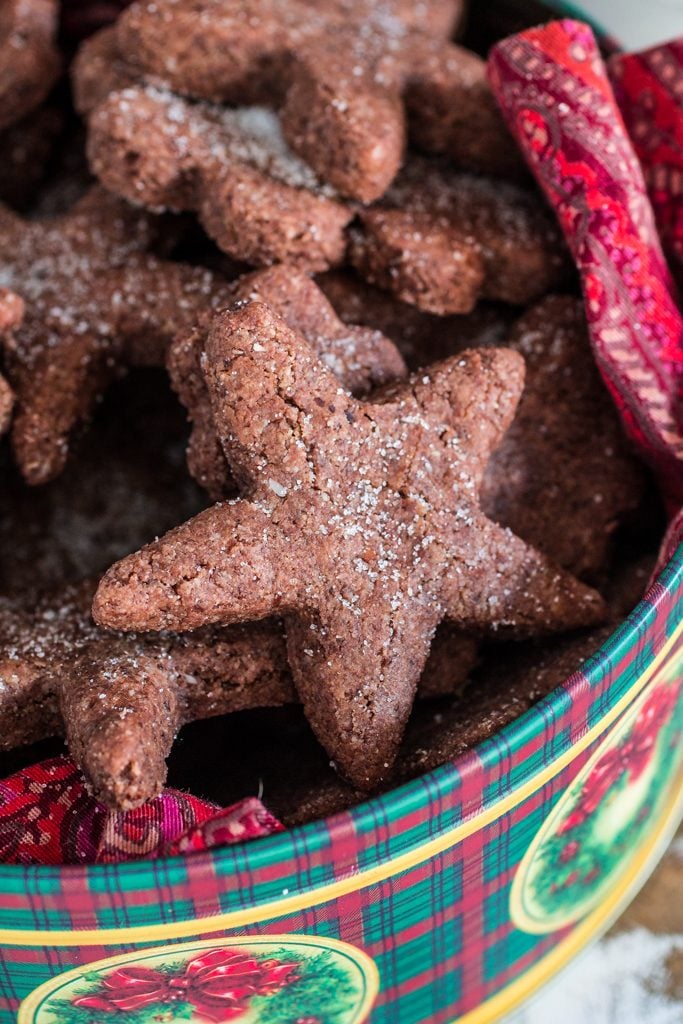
[(339, 79), (350, 528), (550, 480), (252, 135), (296, 780), (253, 196), (335, 70), (421, 337)]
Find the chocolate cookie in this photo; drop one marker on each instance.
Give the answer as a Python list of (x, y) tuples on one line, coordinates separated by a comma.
[(564, 477), (360, 524), (442, 240), (550, 481), (96, 300), (421, 337), (274, 753), (361, 358), (451, 110), (119, 700), (335, 72), (259, 201)]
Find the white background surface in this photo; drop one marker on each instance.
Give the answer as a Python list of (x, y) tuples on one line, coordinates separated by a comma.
[(622, 980), (637, 23)]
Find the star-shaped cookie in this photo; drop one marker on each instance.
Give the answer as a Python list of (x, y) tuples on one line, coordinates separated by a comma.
[(96, 300), (442, 240), (335, 72), (564, 478), (253, 196), (269, 118), (359, 525), (360, 357), (119, 700)]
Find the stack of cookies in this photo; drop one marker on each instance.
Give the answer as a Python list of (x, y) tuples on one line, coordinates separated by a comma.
[(299, 404)]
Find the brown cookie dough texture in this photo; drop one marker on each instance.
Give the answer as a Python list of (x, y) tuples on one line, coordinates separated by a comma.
[(11, 314), (360, 526), (451, 110), (120, 700), (96, 300), (437, 733), (512, 679), (443, 240), (274, 749), (564, 477), (318, 97), (29, 61), (254, 197), (361, 358)]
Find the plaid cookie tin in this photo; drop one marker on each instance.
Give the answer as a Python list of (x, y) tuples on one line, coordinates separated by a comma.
[(452, 898)]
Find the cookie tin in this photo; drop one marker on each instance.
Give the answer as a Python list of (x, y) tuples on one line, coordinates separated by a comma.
[(451, 898)]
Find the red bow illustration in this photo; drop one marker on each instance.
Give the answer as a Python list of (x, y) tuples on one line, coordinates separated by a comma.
[(219, 984), (631, 758)]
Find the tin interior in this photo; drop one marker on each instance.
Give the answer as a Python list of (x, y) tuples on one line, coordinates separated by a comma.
[(442, 787)]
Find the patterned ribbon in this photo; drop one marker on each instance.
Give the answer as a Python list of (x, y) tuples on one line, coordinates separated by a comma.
[(48, 817), (554, 92), (649, 90)]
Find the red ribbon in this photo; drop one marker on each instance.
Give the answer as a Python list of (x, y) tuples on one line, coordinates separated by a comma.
[(219, 984), (553, 90)]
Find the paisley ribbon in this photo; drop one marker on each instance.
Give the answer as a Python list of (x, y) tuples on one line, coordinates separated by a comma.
[(554, 91), (47, 816), (218, 985), (649, 90)]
